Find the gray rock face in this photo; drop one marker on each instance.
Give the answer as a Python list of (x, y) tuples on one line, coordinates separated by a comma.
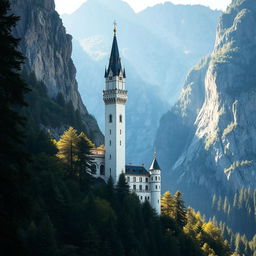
[(219, 112), (48, 49)]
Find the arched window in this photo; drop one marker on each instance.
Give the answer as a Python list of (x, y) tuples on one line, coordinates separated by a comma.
[(102, 170), (146, 187), (110, 118), (120, 119), (93, 169)]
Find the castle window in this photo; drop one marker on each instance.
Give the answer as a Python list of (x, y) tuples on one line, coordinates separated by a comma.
[(110, 143), (120, 143), (156, 186), (146, 179), (93, 169), (120, 119), (102, 170), (134, 179), (146, 187), (110, 132), (134, 187), (140, 179), (156, 178), (140, 187), (141, 197), (110, 118), (110, 157), (120, 132)]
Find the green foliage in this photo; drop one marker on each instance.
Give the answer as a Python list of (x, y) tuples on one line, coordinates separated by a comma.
[(230, 211), (13, 159)]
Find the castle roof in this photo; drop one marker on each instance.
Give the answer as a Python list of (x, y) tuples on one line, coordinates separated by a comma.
[(136, 170), (115, 65), (154, 165)]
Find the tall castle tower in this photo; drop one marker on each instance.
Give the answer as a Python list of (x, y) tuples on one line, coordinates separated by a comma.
[(155, 185), (115, 97)]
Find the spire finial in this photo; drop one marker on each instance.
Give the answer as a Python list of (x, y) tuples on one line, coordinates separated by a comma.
[(155, 155), (115, 25)]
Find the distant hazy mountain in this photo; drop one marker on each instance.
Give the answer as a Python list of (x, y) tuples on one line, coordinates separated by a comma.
[(210, 132), (158, 46)]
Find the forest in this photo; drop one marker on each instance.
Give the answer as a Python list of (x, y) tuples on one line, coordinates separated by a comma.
[(49, 202)]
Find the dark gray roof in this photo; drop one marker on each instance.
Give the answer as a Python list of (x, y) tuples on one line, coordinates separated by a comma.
[(136, 170), (154, 165), (115, 61)]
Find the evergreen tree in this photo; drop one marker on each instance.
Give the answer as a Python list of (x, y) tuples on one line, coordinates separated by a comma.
[(180, 211), (84, 161), (167, 204), (12, 157), (122, 187), (67, 146)]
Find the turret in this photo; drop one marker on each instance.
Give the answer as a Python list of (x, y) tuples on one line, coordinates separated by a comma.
[(155, 185)]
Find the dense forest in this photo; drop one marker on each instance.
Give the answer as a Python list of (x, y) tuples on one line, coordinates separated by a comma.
[(228, 212), (51, 205)]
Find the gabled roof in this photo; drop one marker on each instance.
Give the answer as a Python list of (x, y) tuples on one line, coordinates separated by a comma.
[(155, 165), (115, 61), (136, 170)]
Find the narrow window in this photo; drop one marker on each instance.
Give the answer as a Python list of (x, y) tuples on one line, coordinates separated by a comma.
[(146, 179), (141, 197), (102, 170), (156, 186), (120, 132), (110, 118), (110, 132), (134, 187), (120, 143), (120, 119), (110, 143), (110, 157), (134, 179), (146, 187), (156, 178), (140, 179), (140, 187)]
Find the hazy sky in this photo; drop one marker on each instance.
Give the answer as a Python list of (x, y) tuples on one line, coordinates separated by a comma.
[(69, 6)]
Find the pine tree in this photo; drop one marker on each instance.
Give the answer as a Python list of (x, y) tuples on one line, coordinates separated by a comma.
[(67, 146), (167, 204), (180, 211), (122, 187), (13, 159)]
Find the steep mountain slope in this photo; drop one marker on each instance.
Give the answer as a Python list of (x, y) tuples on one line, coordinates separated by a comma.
[(156, 62), (47, 49), (218, 113)]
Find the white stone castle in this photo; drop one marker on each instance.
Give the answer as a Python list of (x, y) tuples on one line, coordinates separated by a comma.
[(111, 160)]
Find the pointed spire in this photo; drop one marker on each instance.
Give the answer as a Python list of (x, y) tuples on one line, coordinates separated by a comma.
[(154, 165), (115, 61)]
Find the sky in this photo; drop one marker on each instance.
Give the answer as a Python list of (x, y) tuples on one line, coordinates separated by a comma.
[(69, 6)]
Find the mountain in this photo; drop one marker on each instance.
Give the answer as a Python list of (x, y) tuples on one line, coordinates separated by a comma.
[(47, 49), (156, 56), (209, 133)]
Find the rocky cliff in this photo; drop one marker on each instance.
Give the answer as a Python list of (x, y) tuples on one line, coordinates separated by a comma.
[(210, 133), (48, 49)]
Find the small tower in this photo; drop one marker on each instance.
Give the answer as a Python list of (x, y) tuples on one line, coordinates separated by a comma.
[(115, 97), (155, 185)]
